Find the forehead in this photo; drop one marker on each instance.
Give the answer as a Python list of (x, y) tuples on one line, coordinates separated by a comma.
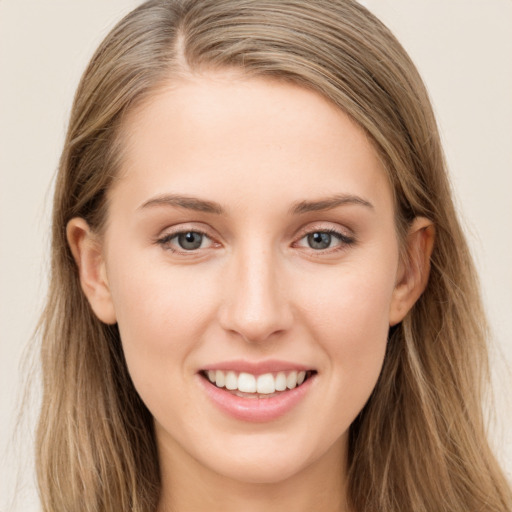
[(224, 134)]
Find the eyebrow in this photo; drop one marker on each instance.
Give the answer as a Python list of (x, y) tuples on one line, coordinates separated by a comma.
[(328, 203), (301, 207), (187, 202)]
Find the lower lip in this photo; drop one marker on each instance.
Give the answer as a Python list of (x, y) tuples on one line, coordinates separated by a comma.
[(256, 409)]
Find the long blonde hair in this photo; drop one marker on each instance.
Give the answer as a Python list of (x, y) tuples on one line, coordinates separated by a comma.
[(420, 443)]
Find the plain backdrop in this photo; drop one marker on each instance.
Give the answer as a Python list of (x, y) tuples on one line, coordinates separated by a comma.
[(463, 49)]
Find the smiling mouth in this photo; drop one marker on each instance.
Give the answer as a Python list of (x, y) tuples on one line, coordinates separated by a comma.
[(248, 385)]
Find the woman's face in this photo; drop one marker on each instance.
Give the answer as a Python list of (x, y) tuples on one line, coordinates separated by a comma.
[(250, 239)]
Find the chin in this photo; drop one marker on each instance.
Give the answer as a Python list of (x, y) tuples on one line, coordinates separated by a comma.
[(261, 471), (273, 461)]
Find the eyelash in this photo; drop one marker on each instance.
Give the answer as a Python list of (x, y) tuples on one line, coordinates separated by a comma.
[(165, 241), (344, 240)]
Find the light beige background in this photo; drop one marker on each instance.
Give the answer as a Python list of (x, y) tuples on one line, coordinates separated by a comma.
[(463, 49)]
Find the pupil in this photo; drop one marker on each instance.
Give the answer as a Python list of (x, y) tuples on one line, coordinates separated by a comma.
[(190, 240), (319, 240)]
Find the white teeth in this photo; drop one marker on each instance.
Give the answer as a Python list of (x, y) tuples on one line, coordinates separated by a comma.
[(266, 384), (231, 380), (291, 380), (247, 383), (220, 378), (280, 381)]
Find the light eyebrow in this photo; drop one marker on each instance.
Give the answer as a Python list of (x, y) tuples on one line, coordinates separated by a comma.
[(328, 203), (187, 202)]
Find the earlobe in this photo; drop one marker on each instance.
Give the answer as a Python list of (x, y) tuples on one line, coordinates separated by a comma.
[(86, 250), (413, 274)]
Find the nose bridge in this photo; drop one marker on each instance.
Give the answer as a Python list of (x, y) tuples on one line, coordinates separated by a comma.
[(256, 305)]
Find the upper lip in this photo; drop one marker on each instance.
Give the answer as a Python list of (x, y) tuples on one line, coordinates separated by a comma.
[(257, 367)]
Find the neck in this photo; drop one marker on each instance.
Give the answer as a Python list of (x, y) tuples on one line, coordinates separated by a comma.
[(188, 485)]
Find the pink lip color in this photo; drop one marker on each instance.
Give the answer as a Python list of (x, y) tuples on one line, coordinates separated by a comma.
[(256, 409)]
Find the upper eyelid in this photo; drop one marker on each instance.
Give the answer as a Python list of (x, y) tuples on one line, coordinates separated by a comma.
[(342, 238), (322, 230), (185, 227), (182, 231), (328, 227), (170, 236)]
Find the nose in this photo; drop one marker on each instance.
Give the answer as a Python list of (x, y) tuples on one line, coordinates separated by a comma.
[(255, 305)]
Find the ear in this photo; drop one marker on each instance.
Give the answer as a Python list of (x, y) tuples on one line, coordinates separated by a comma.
[(87, 252), (412, 275)]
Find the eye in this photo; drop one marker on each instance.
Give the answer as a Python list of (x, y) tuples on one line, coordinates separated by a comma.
[(185, 241), (190, 241), (319, 240), (325, 239)]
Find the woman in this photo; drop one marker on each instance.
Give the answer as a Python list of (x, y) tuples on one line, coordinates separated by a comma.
[(260, 296)]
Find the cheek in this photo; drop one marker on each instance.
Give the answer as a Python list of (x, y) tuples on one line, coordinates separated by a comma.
[(161, 313), (157, 302), (353, 300), (351, 322)]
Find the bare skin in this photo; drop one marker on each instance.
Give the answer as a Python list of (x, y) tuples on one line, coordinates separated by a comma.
[(252, 221)]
